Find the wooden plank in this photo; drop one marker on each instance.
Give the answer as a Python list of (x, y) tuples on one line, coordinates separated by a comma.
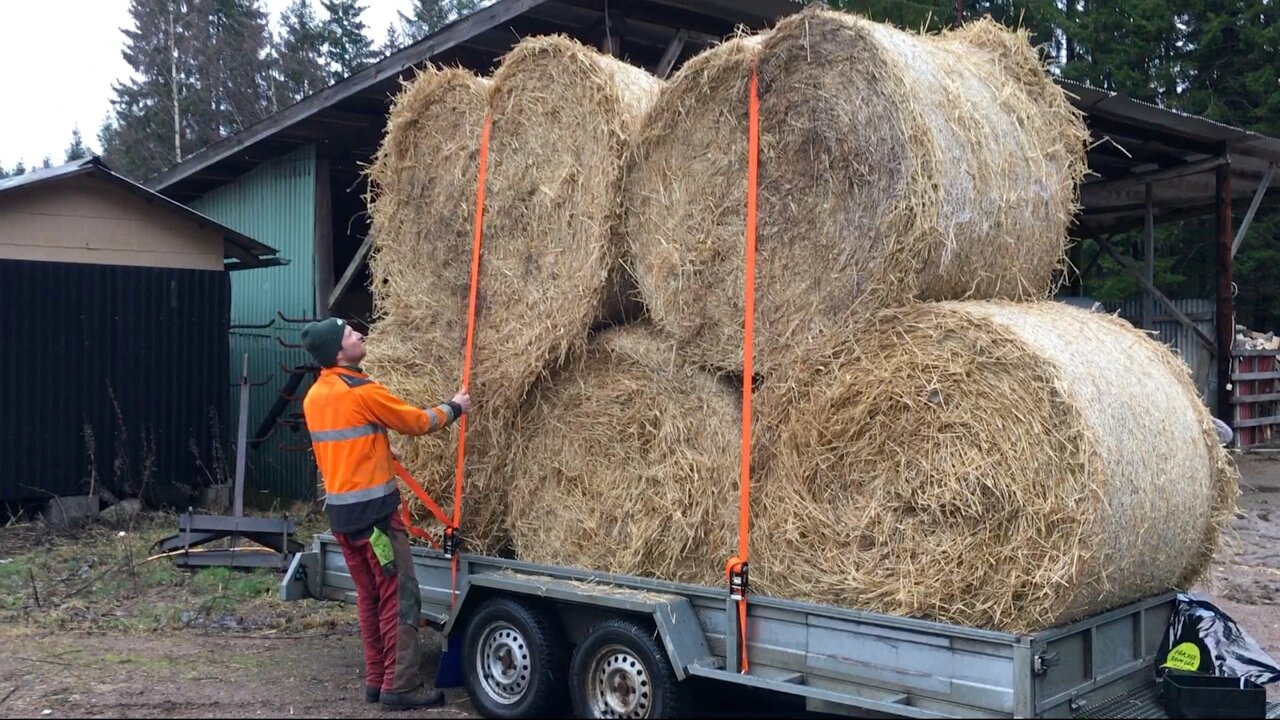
[(672, 53), (1255, 353), (1173, 310), (1269, 375), (341, 288), (1250, 399), (1258, 422), (1253, 208), (1154, 176)]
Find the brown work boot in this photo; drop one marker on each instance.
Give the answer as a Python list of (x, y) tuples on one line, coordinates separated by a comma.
[(422, 697)]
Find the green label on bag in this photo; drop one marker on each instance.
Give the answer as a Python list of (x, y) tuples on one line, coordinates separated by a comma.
[(1184, 657), (382, 547)]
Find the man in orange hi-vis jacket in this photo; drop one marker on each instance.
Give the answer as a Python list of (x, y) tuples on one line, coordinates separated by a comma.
[(348, 415)]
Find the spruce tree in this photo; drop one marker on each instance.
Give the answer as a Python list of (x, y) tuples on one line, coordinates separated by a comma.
[(300, 54), (77, 149), (347, 47)]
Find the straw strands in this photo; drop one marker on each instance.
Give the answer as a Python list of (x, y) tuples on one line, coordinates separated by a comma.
[(561, 117), (626, 462), (893, 166), (1000, 465)]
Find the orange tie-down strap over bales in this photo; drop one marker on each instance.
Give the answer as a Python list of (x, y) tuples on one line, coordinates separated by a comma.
[(736, 566), (416, 488), (451, 536)]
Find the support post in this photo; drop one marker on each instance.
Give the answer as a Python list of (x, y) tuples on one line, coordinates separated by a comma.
[(242, 438), (1253, 208), (672, 53), (1225, 314), (1149, 267), (1180, 316), (323, 233)]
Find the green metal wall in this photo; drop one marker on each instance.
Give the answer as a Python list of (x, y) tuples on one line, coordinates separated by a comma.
[(274, 203)]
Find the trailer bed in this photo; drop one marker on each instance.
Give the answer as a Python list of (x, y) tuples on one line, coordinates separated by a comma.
[(840, 660)]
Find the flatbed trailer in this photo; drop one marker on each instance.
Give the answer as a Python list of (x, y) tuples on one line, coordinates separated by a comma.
[(535, 638)]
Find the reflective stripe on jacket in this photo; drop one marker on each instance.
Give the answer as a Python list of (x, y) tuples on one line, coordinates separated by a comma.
[(348, 415)]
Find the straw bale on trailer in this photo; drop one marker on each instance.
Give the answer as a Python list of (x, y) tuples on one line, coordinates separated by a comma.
[(1009, 466), (626, 461), (561, 117), (422, 191), (892, 166)]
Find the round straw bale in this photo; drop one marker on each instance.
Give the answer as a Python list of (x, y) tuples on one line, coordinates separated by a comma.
[(1000, 465), (892, 166), (422, 194), (563, 114), (626, 462)]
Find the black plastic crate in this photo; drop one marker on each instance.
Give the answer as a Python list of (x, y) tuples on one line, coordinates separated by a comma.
[(1208, 696)]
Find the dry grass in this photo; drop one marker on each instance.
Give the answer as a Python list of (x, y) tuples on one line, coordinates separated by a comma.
[(993, 464), (892, 166), (626, 462), (562, 114)]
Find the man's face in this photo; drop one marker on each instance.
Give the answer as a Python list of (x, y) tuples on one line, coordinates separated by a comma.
[(352, 347)]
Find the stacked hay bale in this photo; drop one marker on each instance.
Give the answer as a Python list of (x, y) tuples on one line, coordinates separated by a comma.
[(1000, 465), (561, 115), (626, 462), (893, 167)]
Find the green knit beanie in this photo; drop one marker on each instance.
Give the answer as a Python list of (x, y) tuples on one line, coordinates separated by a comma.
[(323, 340)]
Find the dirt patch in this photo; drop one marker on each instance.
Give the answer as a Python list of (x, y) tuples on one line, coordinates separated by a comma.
[(190, 674)]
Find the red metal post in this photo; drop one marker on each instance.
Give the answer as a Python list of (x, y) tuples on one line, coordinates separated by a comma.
[(1225, 307)]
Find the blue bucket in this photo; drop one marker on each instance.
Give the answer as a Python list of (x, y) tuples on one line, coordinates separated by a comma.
[(450, 673)]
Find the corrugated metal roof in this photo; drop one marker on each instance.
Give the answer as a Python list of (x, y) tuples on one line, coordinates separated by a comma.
[(244, 251), (1094, 101)]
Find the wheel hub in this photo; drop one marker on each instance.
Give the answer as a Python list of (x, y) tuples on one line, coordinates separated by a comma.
[(619, 684), (503, 663)]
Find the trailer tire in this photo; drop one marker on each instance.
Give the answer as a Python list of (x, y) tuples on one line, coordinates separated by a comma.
[(621, 670), (514, 660)]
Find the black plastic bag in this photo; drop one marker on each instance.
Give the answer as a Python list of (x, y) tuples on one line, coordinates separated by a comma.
[(1201, 638)]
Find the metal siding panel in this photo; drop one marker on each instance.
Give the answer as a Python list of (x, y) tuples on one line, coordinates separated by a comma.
[(1179, 339), (154, 338), (274, 203)]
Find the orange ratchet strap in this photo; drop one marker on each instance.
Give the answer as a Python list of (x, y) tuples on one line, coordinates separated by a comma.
[(736, 566), (451, 539)]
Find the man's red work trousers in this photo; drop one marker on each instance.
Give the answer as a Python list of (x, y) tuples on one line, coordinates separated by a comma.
[(389, 607)]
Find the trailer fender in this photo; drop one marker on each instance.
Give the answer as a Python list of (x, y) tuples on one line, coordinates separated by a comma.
[(673, 616)]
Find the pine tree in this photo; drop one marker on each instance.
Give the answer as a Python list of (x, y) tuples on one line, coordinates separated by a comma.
[(19, 169), (347, 47), (77, 149), (233, 65), (395, 41), (154, 114), (428, 16), (300, 54)]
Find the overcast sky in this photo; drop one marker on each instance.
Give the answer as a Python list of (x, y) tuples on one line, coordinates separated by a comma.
[(58, 59)]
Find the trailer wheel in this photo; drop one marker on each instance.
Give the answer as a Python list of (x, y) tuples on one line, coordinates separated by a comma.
[(621, 671), (514, 656)]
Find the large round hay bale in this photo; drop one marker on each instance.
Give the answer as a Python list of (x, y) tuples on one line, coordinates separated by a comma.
[(561, 117), (1008, 466), (421, 200), (892, 166), (626, 462)]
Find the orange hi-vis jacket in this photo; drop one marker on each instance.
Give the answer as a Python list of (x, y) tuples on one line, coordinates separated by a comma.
[(348, 415)]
